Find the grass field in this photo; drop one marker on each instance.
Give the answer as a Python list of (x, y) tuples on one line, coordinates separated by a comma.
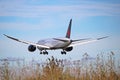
[(100, 68)]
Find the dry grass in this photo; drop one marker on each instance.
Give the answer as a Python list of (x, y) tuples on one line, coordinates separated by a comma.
[(101, 68)]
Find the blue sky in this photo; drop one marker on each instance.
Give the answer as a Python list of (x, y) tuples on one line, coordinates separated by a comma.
[(33, 20)]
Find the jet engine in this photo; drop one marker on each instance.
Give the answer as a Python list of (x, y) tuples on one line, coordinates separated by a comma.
[(31, 48), (69, 49)]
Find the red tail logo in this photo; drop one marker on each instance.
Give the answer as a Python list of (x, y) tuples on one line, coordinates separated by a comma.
[(69, 29)]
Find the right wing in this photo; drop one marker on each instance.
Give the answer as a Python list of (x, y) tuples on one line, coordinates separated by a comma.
[(85, 41), (27, 42)]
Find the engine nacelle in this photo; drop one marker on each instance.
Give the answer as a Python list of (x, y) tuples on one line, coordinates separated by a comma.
[(69, 49), (31, 48)]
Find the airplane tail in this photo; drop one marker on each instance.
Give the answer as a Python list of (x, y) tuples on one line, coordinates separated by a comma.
[(69, 29)]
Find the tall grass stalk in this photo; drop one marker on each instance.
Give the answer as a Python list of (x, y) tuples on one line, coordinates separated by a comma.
[(101, 68)]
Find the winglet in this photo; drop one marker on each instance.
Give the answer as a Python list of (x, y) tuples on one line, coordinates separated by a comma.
[(69, 29)]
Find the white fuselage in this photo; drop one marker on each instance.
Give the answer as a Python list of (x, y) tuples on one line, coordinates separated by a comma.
[(53, 43)]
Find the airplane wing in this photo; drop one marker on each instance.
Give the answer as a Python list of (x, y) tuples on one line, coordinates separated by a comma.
[(85, 41), (27, 42)]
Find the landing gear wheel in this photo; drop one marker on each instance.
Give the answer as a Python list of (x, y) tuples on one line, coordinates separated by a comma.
[(63, 52), (44, 52), (41, 52), (47, 53)]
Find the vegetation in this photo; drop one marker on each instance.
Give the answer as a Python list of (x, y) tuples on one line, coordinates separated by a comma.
[(100, 68)]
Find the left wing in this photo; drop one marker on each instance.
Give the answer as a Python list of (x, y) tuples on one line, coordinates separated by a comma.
[(85, 41), (27, 42)]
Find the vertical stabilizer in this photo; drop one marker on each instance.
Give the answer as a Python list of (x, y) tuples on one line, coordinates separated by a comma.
[(69, 29)]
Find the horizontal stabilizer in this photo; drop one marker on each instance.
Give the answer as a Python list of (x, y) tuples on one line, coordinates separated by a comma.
[(80, 39), (63, 40)]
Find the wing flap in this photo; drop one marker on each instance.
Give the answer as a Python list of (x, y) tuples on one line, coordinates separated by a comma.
[(27, 42)]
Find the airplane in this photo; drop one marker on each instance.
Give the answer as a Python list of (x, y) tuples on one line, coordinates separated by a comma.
[(65, 43)]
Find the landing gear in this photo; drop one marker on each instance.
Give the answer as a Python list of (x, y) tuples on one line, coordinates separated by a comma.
[(63, 52), (44, 52), (41, 52)]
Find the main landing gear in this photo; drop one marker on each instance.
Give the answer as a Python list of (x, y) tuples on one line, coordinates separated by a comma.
[(44, 52), (63, 52)]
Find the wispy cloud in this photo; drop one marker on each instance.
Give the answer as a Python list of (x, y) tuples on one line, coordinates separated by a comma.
[(89, 9), (21, 8)]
